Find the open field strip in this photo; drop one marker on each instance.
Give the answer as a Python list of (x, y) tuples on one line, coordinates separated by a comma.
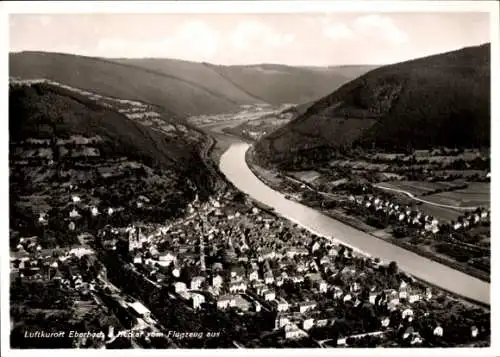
[(412, 196)]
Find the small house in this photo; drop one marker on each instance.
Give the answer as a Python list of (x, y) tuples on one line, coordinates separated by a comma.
[(268, 277), (196, 282), (217, 281), (225, 302), (306, 306), (197, 299), (281, 305), (254, 275), (308, 323), (438, 331), (281, 321), (237, 286), (293, 332), (180, 287), (269, 295), (337, 292), (414, 297)]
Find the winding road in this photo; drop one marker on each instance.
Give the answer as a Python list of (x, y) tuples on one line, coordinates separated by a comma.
[(412, 196)]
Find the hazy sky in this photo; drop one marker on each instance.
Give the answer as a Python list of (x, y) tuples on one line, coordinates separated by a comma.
[(293, 39)]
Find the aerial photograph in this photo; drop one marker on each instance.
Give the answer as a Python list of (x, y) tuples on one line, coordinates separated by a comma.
[(249, 180)]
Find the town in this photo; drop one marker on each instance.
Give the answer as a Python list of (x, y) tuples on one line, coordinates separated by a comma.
[(233, 256), (160, 203), (433, 203)]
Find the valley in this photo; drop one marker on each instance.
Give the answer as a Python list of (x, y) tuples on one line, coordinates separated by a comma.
[(375, 154), (416, 215), (421, 199), (224, 201), (183, 88)]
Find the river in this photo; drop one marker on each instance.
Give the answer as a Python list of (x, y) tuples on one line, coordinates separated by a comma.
[(234, 167)]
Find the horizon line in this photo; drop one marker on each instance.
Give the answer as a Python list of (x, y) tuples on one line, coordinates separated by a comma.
[(198, 62), (243, 65)]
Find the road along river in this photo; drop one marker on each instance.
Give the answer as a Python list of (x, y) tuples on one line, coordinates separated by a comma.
[(234, 167)]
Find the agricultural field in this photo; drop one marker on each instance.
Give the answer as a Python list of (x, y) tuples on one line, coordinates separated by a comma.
[(359, 164), (477, 194), (441, 213), (307, 176), (462, 173), (416, 188)]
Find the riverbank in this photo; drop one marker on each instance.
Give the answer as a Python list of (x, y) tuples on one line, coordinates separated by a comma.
[(357, 223), (423, 268), (220, 142)]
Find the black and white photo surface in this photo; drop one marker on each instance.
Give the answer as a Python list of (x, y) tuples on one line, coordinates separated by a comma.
[(267, 175)]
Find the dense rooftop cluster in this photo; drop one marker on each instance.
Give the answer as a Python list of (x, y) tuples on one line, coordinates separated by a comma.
[(229, 255), (152, 250)]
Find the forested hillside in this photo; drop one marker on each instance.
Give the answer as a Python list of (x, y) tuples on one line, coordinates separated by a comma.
[(62, 144), (441, 100)]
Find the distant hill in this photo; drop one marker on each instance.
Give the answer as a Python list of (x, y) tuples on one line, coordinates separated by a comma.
[(184, 88), (43, 111), (352, 71), (279, 84), (440, 100), (298, 110), (110, 78)]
